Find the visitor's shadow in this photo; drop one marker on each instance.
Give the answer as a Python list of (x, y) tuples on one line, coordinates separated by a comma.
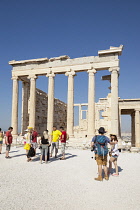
[(120, 169), (18, 155), (114, 171), (14, 151), (59, 156), (35, 159), (70, 156)]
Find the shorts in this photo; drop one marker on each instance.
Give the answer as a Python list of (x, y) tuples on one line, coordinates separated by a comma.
[(63, 145), (1, 142), (8, 147), (115, 156), (100, 160), (35, 145)]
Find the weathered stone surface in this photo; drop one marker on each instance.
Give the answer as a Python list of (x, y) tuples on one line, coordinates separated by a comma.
[(60, 112)]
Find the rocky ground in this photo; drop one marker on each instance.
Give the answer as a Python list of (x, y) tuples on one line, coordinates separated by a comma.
[(67, 184)]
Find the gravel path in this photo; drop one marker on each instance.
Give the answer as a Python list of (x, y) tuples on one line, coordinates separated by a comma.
[(67, 184)]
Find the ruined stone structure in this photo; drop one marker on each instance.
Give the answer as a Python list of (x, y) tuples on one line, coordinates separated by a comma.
[(60, 112), (103, 117), (110, 108)]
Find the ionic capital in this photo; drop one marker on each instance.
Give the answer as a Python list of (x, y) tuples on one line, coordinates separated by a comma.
[(14, 78), (91, 71), (70, 73), (114, 69), (50, 74), (32, 77)]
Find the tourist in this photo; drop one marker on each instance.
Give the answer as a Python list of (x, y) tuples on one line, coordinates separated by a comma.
[(1, 140), (28, 140), (112, 138), (25, 136), (63, 139), (100, 142), (44, 146), (31, 153), (55, 135), (114, 156), (8, 141), (34, 139)]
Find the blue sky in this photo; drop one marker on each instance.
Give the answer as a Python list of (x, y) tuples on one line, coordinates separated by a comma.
[(48, 28)]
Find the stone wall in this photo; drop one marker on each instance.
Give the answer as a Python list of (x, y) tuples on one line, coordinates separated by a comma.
[(60, 112)]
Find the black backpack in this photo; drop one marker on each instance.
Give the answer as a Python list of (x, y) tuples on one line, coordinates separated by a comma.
[(31, 153)]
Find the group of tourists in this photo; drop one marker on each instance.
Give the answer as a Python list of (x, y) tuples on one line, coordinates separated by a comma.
[(49, 144), (99, 145), (32, 141)]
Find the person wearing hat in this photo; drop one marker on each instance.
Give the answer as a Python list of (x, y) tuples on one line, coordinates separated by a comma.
[(27, 138), (100, 143)]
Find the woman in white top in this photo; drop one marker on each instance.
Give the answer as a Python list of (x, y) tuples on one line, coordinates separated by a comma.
[(114, 157)]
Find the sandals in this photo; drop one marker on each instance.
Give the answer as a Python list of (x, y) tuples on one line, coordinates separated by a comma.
[(115, 174), (62, 158)]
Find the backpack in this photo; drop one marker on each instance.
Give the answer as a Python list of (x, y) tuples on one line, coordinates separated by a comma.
[(31, 152), (101, 145)]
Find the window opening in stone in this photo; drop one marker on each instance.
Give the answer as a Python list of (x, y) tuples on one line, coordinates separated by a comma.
[(101, 114)]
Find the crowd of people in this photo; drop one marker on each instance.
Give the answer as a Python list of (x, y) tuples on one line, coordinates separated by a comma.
[(32, 141), (49, 144)]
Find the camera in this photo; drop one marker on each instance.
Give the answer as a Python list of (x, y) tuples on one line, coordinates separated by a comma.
[(92, 148)]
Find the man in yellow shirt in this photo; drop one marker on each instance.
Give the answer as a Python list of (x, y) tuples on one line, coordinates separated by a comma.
[(55, 135)]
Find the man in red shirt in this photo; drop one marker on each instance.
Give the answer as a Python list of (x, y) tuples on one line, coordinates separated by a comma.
[(63, 139), (8, 141), (34, 139)]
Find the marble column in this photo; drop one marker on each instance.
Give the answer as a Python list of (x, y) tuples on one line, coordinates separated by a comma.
[(80, 117), (50, 114), (32, 104), (70, 103), (133, 129), (137, 128), (114, 101), (25, 97), (15, 105), (91, 103)]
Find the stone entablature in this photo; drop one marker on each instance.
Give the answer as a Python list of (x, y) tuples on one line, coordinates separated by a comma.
[(58, 65)]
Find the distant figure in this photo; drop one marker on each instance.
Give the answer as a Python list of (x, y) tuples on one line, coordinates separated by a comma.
[(63, 139), (44, 145), (114, 156), (100, 142), (28, 141), (34, 139), (1, 140), (31, 153), (8, 141), (112, 138), (25, 135), (55, 135)]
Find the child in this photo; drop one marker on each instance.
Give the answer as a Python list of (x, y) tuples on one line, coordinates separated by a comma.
[(114, 157), (31, 153)]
